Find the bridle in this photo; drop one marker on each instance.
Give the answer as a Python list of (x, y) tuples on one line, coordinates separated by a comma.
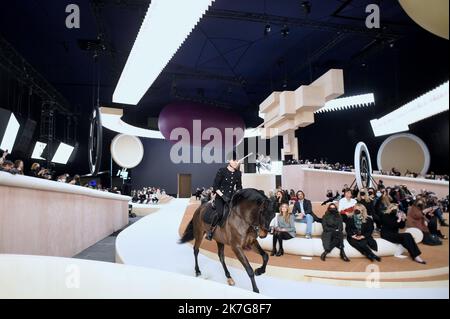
[(257, 227)]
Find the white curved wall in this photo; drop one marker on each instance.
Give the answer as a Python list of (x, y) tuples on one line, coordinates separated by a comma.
[(63, 278)]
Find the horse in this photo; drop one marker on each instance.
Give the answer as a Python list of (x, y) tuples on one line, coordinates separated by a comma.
[(250, 213)]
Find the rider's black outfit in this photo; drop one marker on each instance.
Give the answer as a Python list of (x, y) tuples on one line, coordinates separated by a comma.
[(227, 182)]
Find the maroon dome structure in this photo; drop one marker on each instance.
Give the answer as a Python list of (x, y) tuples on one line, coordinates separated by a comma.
[(183, 115)]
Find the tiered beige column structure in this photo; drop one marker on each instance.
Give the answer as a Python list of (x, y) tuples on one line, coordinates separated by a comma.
[(285, 112)]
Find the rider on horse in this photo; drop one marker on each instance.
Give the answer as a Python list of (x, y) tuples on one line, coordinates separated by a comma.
[(228, 180)]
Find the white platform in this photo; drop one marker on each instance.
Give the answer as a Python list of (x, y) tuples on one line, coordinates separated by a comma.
[(40, 277), (152, 242)]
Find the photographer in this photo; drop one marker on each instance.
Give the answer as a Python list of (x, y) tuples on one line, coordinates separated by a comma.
[(359, 228), (425, 220), (391, 222)]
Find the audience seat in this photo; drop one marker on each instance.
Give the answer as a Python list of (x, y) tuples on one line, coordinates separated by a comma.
[(313, 247)]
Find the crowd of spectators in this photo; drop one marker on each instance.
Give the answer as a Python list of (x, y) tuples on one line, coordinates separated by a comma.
[(431, 175), (36, 170), (358, 215), (320, 164), (323, 164), (147, 195)]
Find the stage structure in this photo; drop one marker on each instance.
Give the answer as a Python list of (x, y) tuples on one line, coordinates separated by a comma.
[(284, 112)]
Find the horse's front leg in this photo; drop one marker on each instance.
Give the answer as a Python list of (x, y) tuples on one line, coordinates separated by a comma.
[(257, 248), (239, 252)]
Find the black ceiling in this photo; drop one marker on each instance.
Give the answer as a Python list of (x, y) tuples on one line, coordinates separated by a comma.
[(228, 60)]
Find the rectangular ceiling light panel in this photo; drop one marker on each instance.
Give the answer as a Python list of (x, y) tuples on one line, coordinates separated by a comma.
[(434, 102), (10, 135), (38, 150), (63, 153), (166, 26)]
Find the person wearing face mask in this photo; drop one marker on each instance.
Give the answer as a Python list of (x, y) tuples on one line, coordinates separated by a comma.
[(381, 204), (392, 221), (332, 235), (359, 228), (417, 218)]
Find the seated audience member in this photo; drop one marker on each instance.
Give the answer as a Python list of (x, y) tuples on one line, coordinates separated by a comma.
[(303, 212), (38, 171), (381, 204), (292, 196), (359, 228), (18, 165), (346, 204), (417, 218), (8, 166), (432, 201), (392, 221), (279, 200), (75, 180), (284, 229), (365, 199), (333, 235), (198, 194), (372, 193), (134, 197)]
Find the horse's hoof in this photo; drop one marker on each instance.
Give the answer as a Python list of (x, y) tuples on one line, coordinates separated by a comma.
[(259, 272), (198, 274), (230, 282), (256, 290)]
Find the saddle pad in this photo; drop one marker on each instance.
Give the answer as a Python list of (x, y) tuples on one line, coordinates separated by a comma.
[(211, 213)]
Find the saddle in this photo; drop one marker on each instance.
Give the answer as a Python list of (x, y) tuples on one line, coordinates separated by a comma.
[(211, 213)]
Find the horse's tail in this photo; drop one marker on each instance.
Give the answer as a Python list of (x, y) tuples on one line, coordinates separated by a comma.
[(188, 234)]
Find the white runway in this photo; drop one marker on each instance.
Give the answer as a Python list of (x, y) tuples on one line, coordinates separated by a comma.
[(152, 242)]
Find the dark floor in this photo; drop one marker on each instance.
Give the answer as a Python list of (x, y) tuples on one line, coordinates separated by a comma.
[(104, 250)]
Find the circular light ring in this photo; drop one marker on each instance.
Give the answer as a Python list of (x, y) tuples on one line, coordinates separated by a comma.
[(363, 166), (418, 140), (95, 141), (127, 151)]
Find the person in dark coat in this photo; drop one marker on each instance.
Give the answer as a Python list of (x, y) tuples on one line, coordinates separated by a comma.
[(227, 181), (333, 235), (359, 228), (393, 220)]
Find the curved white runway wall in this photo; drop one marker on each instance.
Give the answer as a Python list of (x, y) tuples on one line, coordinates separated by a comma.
[(63, 278)]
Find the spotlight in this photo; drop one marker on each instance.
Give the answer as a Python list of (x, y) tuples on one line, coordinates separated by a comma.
[(267, 29), (285, 31)]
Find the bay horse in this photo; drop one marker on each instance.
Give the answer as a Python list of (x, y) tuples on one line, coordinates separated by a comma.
[(250, 213)]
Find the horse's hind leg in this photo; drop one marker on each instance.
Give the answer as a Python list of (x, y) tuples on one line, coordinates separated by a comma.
[(198, 240), (244, 261), (220, 251), (256, 247)]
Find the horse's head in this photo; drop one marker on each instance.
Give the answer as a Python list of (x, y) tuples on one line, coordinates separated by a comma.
[(266, 214), (255, 208)]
